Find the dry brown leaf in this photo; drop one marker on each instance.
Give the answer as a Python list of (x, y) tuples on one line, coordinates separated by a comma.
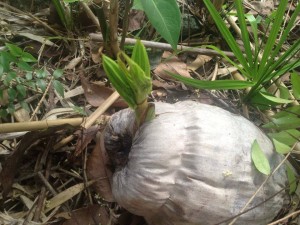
[(198, 62), (97, 169), (136, 20), (96, 94), (66, 195), (91, 215), (173, 65)]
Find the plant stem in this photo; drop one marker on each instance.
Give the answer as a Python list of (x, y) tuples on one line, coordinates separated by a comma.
[(128, 5), (113, 26)]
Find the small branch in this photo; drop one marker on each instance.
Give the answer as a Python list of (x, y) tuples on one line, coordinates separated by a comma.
[(285, 218), (38, 125), (166, 47)]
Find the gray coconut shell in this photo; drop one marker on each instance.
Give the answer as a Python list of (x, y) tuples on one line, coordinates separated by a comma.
[(191, 165)]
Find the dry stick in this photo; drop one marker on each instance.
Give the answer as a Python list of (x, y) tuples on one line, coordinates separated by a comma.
[(41, 100), (285, 218), (262, 185), (38, 125), (166, 47), (91, 119)]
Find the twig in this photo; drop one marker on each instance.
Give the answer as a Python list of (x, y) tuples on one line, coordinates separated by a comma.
[(41, 100), (166, 47), (285, 218), (38, 125), (91, 119)]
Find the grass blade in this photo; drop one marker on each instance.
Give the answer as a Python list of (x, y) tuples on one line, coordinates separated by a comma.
[(217, 84), (267, 54), (227, 35)]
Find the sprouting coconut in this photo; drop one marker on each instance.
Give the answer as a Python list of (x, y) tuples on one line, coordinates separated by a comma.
[(188, 163)]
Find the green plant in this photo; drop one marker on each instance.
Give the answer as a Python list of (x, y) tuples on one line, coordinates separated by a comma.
[(164, 16), (18, 75), (258, 72), (131, 78)]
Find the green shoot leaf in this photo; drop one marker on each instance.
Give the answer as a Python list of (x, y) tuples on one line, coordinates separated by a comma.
[(57, 73), (259, 159)]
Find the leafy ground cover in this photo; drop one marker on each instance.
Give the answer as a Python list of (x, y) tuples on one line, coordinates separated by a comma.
[(52, 75)]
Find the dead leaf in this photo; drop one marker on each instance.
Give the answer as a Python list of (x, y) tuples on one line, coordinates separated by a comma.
[(136, 20), (97, 168), (91, 215), (96, 94), (66, 195), (173, 65)]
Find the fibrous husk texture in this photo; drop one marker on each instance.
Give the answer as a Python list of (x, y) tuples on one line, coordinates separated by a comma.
[(192, 165)]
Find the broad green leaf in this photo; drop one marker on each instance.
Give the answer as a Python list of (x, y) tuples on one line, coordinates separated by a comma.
[(290, 111), (281, 147), (5, 59), (259, 159), (12, 94), (165, 18), (284, 92), (118, 80), (288, 137), (42, 73), (24, 66), (40, 83), (11, 108), (9, 77), (57, 73), (295, 80), (59, 88), (137, 4), (1, 70), (21, 89), (140, 57), (292, 180), (25, 106), (283, 123), (14, 50), (217, 84), (27, 57)]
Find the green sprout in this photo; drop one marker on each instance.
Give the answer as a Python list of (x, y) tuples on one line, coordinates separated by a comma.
[(131, 78)]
